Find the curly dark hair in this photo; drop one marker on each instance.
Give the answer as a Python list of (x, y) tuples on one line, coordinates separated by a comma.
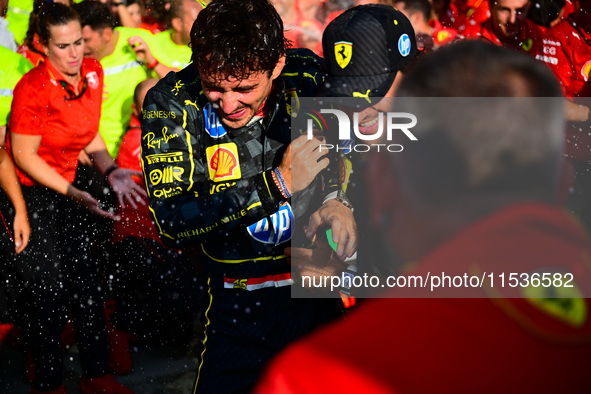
[(235, 38)]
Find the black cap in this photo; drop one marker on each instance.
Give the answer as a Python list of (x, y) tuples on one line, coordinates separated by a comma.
[(364, 48)]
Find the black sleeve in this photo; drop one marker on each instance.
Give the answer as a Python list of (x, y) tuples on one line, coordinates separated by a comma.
[(177, 177)]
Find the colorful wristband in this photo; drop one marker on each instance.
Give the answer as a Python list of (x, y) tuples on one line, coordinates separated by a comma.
[(154, 63), (280, 183)]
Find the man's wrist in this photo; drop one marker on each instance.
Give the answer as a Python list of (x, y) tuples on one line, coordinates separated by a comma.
[(153, 64), (339, 196)]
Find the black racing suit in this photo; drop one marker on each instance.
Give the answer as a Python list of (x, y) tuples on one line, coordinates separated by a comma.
[(211, 188)]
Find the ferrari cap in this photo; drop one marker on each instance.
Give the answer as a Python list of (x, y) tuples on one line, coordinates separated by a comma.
[(364, 48)]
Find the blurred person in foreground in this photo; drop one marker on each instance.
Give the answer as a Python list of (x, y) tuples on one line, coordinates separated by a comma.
[(468, 200), (219, 164), (54, 115)]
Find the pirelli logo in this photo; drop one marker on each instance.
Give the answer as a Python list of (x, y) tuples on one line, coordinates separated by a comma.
[(165, 158)]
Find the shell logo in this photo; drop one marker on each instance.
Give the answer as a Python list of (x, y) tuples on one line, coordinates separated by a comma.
[(586, 70), (222, 161)]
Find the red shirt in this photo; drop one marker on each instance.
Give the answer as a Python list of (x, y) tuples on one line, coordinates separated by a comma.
[(42, 106), (567, 51), (447, 345), (448, 19), (529, 39), (460, 12), (443, 35), (569, 8), (134, 222), (475, 11)]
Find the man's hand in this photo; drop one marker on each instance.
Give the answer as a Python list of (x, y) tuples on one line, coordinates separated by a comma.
[(121, 180), (141, 49), (318, 262), (304, 158), (341, 221)]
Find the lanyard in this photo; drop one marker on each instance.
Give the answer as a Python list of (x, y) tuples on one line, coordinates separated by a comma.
[(71, 95)]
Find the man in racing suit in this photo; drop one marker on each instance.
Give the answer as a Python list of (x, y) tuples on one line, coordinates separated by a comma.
[(217, 156)]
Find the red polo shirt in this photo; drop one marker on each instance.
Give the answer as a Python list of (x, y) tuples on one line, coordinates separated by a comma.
[(43, 105), (529, 39)]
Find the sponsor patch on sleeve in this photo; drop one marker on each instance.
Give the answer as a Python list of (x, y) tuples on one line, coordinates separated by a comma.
[(222, 162)]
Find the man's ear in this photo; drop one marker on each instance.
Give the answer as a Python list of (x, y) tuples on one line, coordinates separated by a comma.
[(278, 67), (135, 111), (416, 18), (107, 34), (176, 24)]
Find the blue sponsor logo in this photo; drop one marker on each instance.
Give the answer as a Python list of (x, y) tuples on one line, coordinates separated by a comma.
[(404, 45), (282, 223), (213, 126)]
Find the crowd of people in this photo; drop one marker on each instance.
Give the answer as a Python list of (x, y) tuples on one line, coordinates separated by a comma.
[(151, 181)]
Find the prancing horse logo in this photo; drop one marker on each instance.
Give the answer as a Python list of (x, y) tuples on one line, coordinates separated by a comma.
[(343, 52)]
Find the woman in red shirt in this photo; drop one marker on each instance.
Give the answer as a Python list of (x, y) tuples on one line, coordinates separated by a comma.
[(54, 115)]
